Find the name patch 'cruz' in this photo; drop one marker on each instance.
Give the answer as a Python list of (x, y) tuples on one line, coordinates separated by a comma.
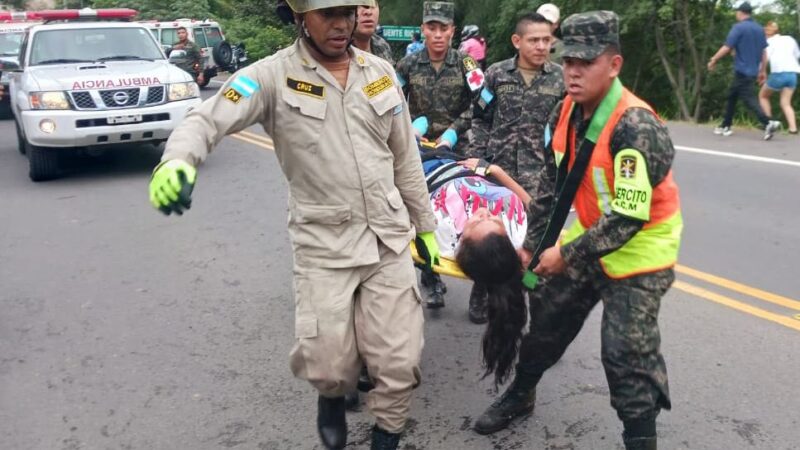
[(306, 88)]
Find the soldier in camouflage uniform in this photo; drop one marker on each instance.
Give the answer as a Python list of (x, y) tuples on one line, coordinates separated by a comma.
[(192, 62), (509, 116), (623, 256), (365, 36), (440, 83)]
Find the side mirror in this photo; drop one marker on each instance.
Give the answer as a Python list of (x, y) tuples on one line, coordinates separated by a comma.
[(167, 49), (177, 55), (9, 66)]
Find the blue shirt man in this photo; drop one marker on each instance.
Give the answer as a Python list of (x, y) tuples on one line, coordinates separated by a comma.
[(750, 61), (748, 39)]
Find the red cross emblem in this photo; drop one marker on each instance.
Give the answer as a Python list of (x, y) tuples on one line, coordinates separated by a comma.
[(476, 79)]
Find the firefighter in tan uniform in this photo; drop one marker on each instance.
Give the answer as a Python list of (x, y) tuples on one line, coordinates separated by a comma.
[(357, 196)]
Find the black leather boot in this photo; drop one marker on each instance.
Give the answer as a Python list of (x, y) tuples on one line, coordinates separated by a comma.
[(383, 440), (331, 422), (434, 289), (365, 384), (640, 443), (477, 304), (516, 401)]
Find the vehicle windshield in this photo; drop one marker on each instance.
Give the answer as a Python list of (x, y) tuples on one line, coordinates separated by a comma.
[(93, 44), (10, 43)]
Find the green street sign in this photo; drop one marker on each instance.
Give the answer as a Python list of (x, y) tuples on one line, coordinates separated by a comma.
[(398, 33)]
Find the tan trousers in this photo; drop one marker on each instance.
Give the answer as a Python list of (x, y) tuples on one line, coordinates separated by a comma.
[(371, 313)]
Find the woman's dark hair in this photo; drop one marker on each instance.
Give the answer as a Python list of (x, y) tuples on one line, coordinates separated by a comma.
[(494, 263)]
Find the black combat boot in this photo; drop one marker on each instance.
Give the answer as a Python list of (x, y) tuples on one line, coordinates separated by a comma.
[(516, 401), (434, 288), (640, 434), (365, 384), (477, 304), (640, 443), (331, 422), (383, 440)]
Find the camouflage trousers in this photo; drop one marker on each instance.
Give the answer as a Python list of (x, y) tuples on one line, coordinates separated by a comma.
[(630, 339)]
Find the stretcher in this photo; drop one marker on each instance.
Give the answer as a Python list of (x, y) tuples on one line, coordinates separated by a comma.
[(447, 267)]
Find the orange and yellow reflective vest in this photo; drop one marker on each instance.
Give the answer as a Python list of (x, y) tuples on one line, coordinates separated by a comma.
[(655, 246)]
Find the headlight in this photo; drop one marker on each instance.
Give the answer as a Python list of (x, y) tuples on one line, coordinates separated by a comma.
[(49, 100), (182, 91)]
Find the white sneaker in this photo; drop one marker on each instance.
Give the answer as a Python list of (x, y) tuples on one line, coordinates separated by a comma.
[(771, 128), (725, 131)]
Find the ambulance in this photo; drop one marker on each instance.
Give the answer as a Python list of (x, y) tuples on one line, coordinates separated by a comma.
[(12, 30), (92, 78)]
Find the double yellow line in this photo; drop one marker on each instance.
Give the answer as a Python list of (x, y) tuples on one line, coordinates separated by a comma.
[(789, 321)]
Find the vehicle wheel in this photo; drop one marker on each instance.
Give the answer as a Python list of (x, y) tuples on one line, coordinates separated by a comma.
[(20, 139), (42, 162), (222, 54)]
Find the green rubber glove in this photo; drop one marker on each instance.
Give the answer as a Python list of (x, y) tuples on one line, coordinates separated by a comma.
[(171, 186), (428, 248)]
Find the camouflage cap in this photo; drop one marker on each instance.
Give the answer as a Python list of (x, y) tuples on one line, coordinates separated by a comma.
[(587, 35), (443, 12)]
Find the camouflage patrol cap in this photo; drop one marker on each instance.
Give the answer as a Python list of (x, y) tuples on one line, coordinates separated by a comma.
[(587, 35), (443, 12), (302, 6)]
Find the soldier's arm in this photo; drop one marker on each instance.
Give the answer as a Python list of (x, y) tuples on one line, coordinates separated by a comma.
[(641, 137), (402, 75), (543, 191), (408, 175), (245, 99), (483, 108)]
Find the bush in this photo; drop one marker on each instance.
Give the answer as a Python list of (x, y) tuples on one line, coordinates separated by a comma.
[(260, 40)]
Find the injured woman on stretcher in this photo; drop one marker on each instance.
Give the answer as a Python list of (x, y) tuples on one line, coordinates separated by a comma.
[(481, 223)]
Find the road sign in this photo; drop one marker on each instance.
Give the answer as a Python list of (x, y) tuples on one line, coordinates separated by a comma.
[(398, 33)]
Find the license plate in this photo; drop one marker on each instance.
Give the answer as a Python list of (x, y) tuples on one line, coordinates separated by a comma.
[(133, 118)]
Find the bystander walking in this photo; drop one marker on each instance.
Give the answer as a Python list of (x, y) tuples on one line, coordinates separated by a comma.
[(782, 54)]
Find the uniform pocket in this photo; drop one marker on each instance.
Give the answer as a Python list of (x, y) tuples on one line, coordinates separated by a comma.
[(321, 232), (305, 326), (328, 215), (395, 199), (300, 119)]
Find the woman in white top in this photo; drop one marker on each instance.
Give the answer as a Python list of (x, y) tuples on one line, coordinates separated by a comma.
[(783, 54)]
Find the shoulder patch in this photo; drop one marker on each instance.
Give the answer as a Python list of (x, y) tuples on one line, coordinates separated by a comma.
[(470, 64), (475, 79), (306, 88), (244, 85), (233, 95), (486, 97), (376, 87)]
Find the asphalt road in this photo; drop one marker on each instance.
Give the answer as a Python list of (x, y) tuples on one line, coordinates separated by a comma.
[(124, 329)]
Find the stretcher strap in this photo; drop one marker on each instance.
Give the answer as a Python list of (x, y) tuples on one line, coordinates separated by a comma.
[(567, 182)]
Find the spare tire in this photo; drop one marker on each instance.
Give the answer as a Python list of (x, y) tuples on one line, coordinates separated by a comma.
[(222, 54)]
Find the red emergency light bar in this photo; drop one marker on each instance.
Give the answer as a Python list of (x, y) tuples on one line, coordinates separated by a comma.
[(71, 14), (6, 16)]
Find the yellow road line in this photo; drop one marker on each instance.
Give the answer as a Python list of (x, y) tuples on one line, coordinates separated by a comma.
[(740, 288), (786, 321)]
